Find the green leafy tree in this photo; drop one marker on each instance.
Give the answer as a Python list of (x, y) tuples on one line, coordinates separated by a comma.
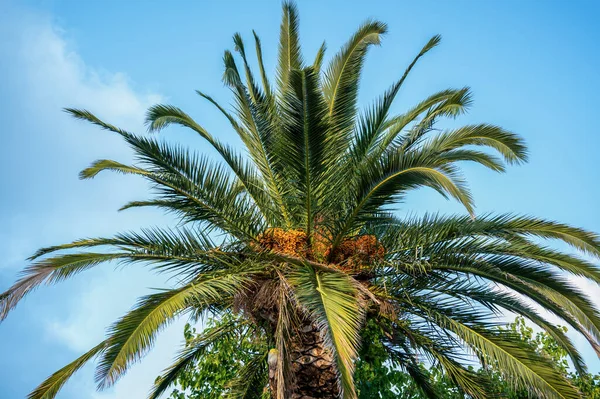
[(375, 375), (308, 246), (588, 384), (222, 362)]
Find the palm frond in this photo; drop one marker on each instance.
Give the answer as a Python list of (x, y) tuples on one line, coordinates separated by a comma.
[(470, 293), (261, 66), (305, 140), (261, 122), (195, 186), (52, 270), (340, 84), (253, 90), (515, 305), (180, 251), (516, 360), (51, 386), (161, 116), (421, 378), (446, 102), (469, 382), (318, 62), (509, 145), (548, 291), (432, 229), (382, 183), (107, 164), (450, 107), (374, 121), (134, 334), (290, 56), (332, 301), (252, 379)]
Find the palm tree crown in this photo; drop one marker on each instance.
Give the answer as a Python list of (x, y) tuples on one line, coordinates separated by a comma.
[(298, 234)]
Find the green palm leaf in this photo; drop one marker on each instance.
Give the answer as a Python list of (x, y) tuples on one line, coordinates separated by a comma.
[(290, 57), (318, 62), (305, 145), (261, 66), (252, 380), (50, 388), (374, 122), (134, 334), (332, 301), (340, 85), (517, 361)]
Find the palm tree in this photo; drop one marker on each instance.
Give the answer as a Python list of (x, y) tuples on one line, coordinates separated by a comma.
[(298, 235)]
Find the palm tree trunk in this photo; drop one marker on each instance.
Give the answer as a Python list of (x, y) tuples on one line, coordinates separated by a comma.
[(312, 368)]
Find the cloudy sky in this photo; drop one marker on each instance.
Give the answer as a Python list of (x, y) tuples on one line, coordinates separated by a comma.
[(533, 67)]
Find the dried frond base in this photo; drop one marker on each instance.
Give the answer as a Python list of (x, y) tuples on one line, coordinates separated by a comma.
[(353, 255)]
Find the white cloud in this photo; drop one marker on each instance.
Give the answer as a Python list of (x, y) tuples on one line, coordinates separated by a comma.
[(49, 74), (45, 148), (56, 75)]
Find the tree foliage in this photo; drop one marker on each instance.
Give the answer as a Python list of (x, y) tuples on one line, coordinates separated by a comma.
[(222, 362), (376, 375)]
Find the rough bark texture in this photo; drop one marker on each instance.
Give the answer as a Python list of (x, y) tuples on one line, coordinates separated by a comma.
[(312, 373), (313, 366)]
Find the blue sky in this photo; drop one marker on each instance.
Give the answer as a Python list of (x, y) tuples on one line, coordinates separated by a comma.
[(532, 66)]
